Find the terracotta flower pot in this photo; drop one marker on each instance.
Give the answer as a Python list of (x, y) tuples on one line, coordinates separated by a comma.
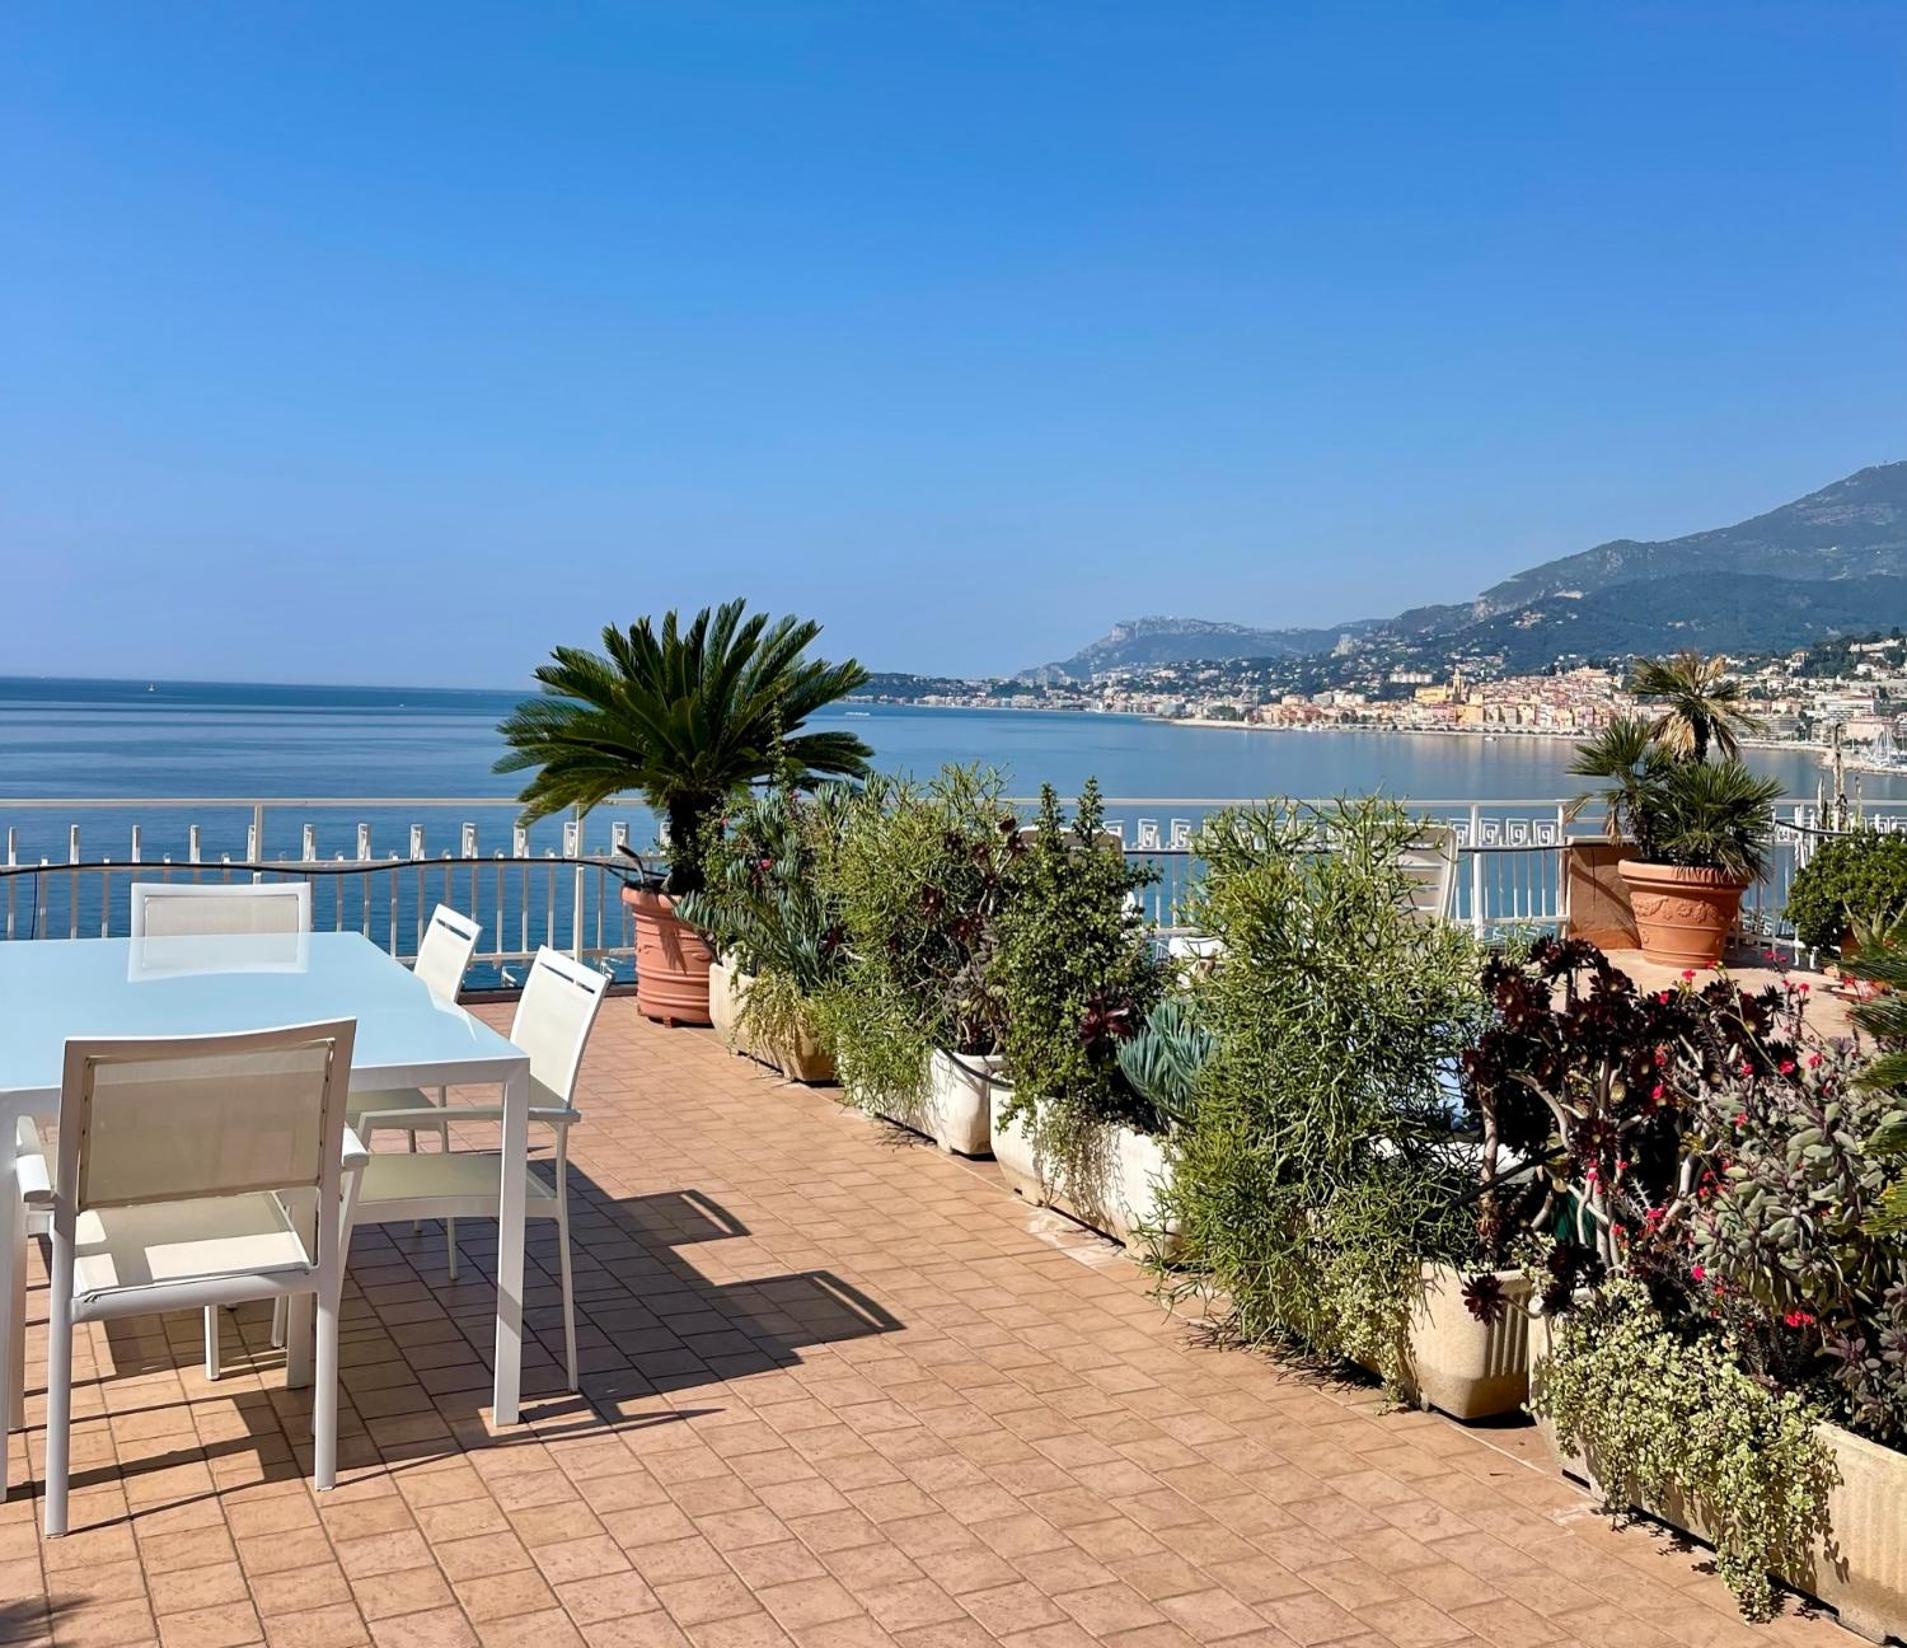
[(672, 961), (1683, 916)]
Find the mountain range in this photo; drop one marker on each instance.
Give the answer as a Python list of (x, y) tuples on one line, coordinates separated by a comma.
[(1834, 562)]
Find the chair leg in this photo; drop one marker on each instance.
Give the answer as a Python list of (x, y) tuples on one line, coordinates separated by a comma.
[(211, 1341), (298, 1337), (59, 1387), (278, 1322), (324, 1396), (569, 1288)]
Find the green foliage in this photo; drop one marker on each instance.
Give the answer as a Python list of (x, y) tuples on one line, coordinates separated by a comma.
[(765, 906), (1789, 1230), (1712, 815), (689, 718), (1076, 976), (1861, 876), (1317, 1168), (1669, 1421), (918, 879)]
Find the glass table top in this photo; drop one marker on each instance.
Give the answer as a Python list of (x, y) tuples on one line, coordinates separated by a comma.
[(53, 989)]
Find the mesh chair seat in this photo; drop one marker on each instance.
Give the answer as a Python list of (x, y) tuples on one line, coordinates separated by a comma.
[(124, 1250), (442, 1176)]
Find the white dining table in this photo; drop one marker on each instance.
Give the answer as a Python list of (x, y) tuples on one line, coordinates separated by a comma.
[(53, 989)]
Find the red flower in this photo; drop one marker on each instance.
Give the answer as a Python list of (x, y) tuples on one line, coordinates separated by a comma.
[(1688, 975), (1696, 1273), (1787, 1067), (1798, 1319), (1741, 1118), (1813, 1060)]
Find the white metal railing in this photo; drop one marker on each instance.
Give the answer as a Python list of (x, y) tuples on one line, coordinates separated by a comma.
[(378, 864)]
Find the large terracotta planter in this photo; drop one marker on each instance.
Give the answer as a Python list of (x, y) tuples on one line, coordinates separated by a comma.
[(1114, 1187), (1860, 1569), (1683, 916), (1467, 1368), (672, 961)]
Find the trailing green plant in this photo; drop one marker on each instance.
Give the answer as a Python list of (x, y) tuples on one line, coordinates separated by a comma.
[(1319, 1166), (688, 717), (1076, 976), (1848, 879), (917, 878), (1667, 1418), (765, 906)]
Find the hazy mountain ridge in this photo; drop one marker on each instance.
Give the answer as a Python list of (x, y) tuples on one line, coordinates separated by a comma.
[(1832, 562)]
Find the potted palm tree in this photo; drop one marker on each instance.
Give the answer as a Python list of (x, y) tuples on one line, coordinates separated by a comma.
[(689, 718), (1681, 795)]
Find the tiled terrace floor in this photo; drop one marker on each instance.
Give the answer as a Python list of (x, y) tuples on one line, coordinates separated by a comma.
[(842, 1391)]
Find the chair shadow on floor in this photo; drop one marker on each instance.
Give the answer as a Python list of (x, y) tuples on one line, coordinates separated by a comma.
[(651, 1326)]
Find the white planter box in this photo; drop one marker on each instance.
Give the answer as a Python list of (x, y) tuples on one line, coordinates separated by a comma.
[(1114, 1188), (1459, 1365), (728, 989), (954, 1112), (1860, 1571)]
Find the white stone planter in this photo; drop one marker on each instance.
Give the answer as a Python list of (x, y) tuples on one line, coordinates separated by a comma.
[(1113, 1188), (1459, 1365), (728, 989), (954, 1111), (1860, 1570)]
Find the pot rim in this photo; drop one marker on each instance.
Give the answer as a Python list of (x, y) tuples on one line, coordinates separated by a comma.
[(1681, 875)]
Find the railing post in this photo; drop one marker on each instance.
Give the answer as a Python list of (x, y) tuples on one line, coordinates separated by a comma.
[(255, 840), (1476, 870), (192, 844), (573, 848), (1562, 868)]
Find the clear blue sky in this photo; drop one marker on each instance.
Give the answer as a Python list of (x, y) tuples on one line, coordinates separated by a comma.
[(396, 342)]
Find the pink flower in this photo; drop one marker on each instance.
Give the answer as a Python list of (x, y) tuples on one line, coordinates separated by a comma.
[(1802, 988), (1814, 1060), (1658, 1092), (1696, 1273), (1787, 1067), (1741, 1118), (1688, 975), (1798, 1319)]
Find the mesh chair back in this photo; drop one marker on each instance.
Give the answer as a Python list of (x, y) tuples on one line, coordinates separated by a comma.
[(167, 909), (554, 1016), (1429, 865), (192, 1117), (449, 941)]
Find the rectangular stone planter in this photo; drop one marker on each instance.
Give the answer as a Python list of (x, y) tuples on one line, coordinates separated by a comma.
[(955, 1111), (1860, 1569), (728, 991), (1599, 908), (1113, 1188), (1467, 1368)]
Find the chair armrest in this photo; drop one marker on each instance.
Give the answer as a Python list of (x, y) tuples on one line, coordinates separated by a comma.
[(429, 1115), (547, 1114), (355, 1155), (29, 1168)]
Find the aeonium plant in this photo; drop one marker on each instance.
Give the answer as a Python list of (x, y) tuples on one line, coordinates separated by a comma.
[(1580, 1093)]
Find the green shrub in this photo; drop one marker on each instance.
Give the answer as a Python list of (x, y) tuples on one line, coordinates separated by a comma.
[(1857, 877), (1316, 1169), (918, 880), (1669, 1421), (1076, 975)]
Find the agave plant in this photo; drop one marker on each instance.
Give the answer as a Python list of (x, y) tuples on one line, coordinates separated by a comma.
[(1163, 1060), (688, 717)]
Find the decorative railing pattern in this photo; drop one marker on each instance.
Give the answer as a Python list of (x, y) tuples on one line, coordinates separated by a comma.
[(377, 865)]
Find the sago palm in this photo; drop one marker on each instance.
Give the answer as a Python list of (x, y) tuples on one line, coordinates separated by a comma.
[(1700, 704), (688, 718)]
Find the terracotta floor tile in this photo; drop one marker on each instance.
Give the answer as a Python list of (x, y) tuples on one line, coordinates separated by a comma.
[(841, 1391)]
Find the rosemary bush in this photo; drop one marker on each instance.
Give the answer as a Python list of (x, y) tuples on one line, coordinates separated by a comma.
[(1317, 1169)]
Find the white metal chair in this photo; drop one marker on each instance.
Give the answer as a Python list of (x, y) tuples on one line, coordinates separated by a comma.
[(554, 1016), (1429, 864), (196, 1172), (189, 909)]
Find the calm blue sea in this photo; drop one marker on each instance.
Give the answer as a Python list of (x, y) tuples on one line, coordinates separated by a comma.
[(137, 740)]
